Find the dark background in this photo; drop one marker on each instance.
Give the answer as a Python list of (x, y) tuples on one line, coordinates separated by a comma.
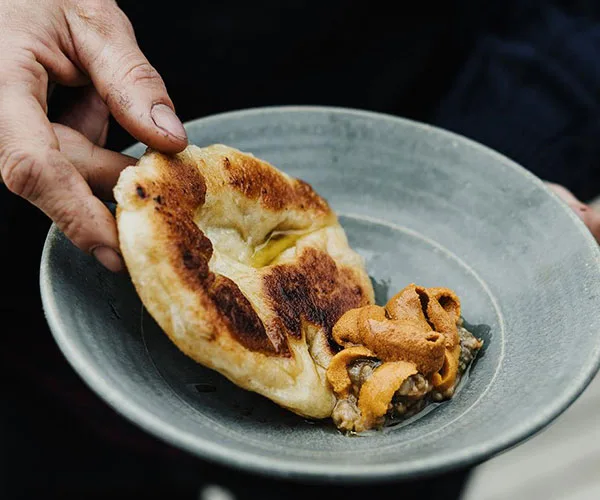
[(522, 77)]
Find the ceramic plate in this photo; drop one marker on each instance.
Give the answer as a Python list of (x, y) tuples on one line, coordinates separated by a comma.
[(421, 205)]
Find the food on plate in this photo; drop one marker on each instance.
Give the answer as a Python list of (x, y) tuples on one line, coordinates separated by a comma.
[(395, 359), (249, 272), (245, 268)]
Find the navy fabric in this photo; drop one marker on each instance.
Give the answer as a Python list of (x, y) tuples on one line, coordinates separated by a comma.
[(532, 92)]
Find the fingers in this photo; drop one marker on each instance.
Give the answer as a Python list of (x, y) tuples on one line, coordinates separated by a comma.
[(88, 115), (59, 67), (133, 90), (98, 166), (591, 219), (33, 167), (588, 215)]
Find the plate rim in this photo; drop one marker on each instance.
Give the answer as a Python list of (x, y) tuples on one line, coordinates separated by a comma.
[(297, 469)]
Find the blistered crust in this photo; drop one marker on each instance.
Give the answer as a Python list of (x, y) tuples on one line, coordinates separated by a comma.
[(267, 329)]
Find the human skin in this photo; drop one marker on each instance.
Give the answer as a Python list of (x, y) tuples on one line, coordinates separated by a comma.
[(62, 168)]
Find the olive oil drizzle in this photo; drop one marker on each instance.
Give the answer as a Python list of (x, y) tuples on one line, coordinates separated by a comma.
[(276, 243)]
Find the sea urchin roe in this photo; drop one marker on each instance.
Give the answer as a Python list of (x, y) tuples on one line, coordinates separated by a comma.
[(378, 390), (399, 357)]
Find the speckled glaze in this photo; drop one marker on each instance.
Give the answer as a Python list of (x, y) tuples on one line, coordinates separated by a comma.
[(422, 205)]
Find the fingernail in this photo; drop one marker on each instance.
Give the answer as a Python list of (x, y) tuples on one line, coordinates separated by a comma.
[(108, 258), (166, 120)]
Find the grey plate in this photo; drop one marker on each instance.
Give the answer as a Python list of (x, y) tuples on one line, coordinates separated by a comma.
[(422, 205)]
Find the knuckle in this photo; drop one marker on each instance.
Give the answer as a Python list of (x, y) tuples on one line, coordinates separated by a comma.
[(70, 222), (118, 94), (142, 73), (21, 173), (125, 23), (98, 15), (92, 9)]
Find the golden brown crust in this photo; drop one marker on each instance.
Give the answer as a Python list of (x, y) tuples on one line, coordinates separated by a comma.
[(189, 228), (312, 289), (179, 190), (256, 180)]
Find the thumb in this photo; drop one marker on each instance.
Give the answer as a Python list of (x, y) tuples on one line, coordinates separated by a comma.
[(589, 216)]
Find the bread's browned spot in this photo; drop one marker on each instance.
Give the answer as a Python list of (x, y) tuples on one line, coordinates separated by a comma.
[(176, 197), (244, 324), (256, 179), (313, 289)]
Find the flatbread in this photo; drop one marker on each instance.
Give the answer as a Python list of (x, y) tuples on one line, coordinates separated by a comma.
[(245, 268)]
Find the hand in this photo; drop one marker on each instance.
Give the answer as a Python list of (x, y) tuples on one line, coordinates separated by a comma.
[(87, 43), (590, 217)]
